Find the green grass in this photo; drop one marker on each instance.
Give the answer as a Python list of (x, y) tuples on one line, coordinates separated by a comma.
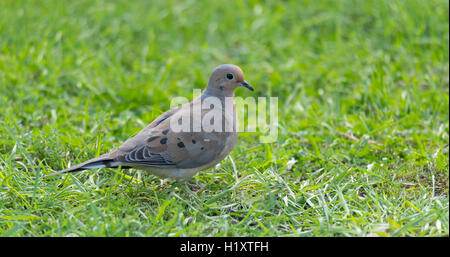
[(77, 78)]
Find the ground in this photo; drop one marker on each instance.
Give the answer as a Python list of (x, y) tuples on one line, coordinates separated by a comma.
[(363, 129)]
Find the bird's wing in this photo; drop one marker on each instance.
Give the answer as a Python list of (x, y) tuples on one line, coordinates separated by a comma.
[(158, 145), (148, 147)]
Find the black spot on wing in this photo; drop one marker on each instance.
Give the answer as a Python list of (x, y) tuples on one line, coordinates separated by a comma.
[(180, 145), (163, 141), (150, 139), (165, 131), (160, 121)]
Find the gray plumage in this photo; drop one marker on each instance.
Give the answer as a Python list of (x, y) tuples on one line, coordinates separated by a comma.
[(178, 155)]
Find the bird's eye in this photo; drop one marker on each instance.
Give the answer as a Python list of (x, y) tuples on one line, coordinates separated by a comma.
[(230, 76)]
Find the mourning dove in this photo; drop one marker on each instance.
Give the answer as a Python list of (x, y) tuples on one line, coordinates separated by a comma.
[(170, 153)]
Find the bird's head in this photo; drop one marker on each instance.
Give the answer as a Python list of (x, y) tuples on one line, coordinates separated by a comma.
[(227, 77)]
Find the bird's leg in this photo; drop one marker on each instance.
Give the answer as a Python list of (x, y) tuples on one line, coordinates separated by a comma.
[(166, 185), (193, 191)]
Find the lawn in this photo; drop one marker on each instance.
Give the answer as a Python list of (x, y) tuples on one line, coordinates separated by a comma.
[(363, 104)]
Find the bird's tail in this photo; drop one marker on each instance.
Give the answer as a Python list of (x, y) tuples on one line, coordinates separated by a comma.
[(99, 162)]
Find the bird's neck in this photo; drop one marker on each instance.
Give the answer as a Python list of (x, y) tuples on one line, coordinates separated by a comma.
[(217, 92)]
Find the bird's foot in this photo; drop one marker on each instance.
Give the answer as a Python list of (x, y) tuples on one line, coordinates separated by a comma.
[(191, 190)]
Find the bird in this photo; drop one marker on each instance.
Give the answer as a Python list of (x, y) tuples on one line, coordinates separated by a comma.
[(165, 150)]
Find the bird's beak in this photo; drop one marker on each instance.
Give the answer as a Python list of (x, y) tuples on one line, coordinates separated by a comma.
[(245, 84)]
